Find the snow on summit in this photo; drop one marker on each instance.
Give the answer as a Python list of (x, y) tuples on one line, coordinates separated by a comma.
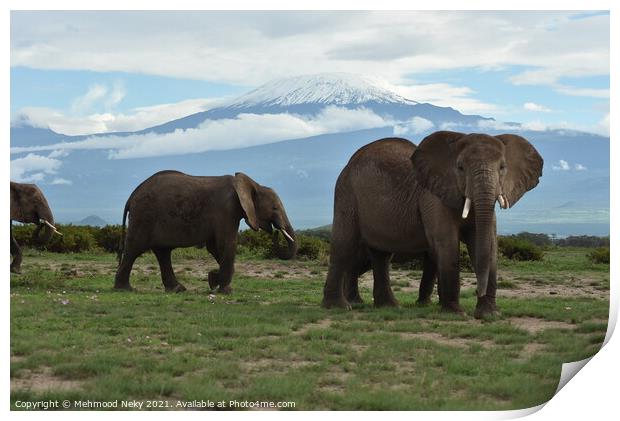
[(327, 88)]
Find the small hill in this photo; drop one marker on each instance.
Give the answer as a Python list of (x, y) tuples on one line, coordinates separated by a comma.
[(93, 220)]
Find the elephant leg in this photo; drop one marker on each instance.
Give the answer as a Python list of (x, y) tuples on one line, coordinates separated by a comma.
[(351, 277), (447, 259), (214, 275), (226, 254), (167, 273), (381, 291), (486, 305), (351, 286), (121, 280), (16, 252), (427, 283)]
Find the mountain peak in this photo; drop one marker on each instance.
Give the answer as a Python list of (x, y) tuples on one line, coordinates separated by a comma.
[(323, 88)]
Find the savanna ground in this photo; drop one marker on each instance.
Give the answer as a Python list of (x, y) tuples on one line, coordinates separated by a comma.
[(74, 338)]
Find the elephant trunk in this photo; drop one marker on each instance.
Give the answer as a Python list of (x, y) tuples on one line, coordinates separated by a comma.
[(287, 231), (43, 214), (484, 207)]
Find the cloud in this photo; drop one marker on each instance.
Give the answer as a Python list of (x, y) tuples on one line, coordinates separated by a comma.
[(565, 166), (445, 95), (253, 47), (137, 119), (243, 131), (94, 94), (59, 180), (562, 166), (532, 106), (415, 125), (33, 168)]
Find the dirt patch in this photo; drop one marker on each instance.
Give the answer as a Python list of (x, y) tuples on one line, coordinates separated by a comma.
[(321, 324), (535, 325), (444, 340), (268, 364), (42, 381)]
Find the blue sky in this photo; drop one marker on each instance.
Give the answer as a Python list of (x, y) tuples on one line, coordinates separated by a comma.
[(86, 72)]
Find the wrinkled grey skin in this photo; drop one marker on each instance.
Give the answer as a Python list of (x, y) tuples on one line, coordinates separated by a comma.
[(395, 198), (29, 206), (171, 209)]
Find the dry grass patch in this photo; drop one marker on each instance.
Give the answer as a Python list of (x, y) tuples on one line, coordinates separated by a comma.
[(42, 381)]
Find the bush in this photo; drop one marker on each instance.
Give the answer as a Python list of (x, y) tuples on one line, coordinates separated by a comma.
[(540, 240), (74, 239), (599, 255), (108, 238), (583, 241), (312, 248), (516, 248), (255, 243)]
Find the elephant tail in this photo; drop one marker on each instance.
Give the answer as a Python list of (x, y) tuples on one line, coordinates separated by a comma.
[(121, 244)]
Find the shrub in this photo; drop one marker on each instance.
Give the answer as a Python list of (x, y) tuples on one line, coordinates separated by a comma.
[(312, 248), (583, 241), (108, 238), (74, 239), (255, 243), (516, 248), (599, 255)]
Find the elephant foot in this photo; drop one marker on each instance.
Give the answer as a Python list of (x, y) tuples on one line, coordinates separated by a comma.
[(225, 289), (355, 299), (124, 287), (453, 307), (335, 302), (214, 279), (423, 301), (386, 302), (486, 308), (177, 288)]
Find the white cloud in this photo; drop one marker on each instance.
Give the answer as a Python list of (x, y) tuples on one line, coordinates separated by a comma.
[(532, 106), (445, 95), (243, 131), (253, 47), (33, 168), (565, 166), (85, 102), (137, 119), (415, 125), (60, 180), (562, 166)]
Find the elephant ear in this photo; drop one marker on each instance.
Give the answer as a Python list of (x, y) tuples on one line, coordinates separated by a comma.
[(16, 209), (246, 190), (434, 161), (524, 167)]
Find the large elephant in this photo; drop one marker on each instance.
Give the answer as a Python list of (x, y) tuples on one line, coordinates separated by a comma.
[(29, 206), (394, 197), (171, 209)]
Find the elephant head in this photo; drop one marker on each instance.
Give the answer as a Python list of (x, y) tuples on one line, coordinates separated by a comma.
[(479, 170), (264, 210), (28, 205)]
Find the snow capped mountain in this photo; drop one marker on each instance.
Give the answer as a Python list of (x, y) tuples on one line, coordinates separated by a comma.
[(325, 88)]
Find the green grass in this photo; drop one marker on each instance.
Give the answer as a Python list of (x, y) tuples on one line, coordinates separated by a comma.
[(271, 341)]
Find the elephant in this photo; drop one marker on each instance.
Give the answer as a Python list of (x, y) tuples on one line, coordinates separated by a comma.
[(171, 209), (394, 197), (29, 206)]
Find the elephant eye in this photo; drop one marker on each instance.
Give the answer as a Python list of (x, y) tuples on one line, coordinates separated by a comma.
[(460, 166)]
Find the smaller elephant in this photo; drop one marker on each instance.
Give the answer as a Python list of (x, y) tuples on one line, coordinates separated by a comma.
[(363, 264), (29, 206), (171, 209)]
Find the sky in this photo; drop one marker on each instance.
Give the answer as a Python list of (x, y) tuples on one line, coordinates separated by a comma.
[(97, 72)]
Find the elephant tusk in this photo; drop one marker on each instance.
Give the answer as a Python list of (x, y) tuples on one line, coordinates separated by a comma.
[(507, 202), (502, 202), (43, 221), (286, 234), (466, 207)]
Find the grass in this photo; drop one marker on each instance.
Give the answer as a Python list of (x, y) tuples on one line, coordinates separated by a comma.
[(72, 337)]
